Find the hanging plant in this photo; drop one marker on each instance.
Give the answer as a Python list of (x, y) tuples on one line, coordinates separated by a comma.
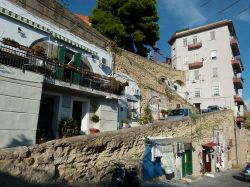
[(10, 42), (38, 50), (95, 118)]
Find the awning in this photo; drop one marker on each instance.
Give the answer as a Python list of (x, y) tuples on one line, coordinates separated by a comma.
[(209, 145)]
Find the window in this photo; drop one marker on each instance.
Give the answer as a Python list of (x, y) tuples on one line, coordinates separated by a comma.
[(215, 91), (196, 75), (213, 54), (197, 92), (185, 42), (212, 35), (185, 60), (195, 41), (215, 72), (173, 52)]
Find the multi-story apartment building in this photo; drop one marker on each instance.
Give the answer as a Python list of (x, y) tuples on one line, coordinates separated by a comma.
[(210, 56)]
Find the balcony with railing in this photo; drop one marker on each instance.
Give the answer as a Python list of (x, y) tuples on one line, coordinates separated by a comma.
[(238, 82), (237, 64), (26, 60), (235, 45), (239, 100), (195, 65), (196, 45)]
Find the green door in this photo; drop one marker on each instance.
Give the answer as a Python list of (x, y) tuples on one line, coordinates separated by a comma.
[(183, 165), (61, 59), (77, 61), (189, 163)]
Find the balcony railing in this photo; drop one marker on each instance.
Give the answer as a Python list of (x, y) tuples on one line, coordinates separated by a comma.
[(192, 46), (195, 65), (27, 61), (237, 65), (238, 82), (235, 46), (239, 100)]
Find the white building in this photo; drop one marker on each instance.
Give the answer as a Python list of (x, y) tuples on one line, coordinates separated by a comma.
[(36, 93), (210, 57), (129, 104)]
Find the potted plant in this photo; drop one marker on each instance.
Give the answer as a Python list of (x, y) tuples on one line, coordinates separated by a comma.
[(125, 123), (68, 127), (25, 48), (53, 59), (38, 50), (10, 42), (41, 136), (95, 118)]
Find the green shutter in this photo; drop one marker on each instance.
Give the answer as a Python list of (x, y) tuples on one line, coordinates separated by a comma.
[(183, 165), (77, 62), (61, 59)]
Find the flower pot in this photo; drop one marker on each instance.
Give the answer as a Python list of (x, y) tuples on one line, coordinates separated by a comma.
[(93, 130), (11, 43)]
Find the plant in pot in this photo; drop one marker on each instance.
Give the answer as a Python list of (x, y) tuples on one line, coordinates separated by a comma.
[(53, 59), (95, 118), (164, 112), (38, 50), (10, 42), (125, 123), (68, 127), (41, 136)]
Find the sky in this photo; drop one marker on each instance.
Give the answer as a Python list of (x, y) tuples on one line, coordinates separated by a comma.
[(179, 14)]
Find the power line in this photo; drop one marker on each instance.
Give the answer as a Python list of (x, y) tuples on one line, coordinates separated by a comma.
[(229, 6), (204, 4), (243, 10)]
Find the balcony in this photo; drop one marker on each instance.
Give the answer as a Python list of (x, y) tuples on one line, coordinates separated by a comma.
[(238, 82), (239, 100), (235, 46), (237, 65), (51, 70), (195, 65), (240, 119), (193, 46)]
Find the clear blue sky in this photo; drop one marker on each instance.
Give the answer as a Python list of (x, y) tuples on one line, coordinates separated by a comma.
[(179, 14)]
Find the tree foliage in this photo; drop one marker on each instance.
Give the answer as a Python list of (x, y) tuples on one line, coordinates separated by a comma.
[(130, 23)]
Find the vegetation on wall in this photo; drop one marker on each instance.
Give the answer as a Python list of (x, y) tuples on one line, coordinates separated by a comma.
[(41, 136), (95, 118), (117, 21), (146, 117), (68, 127)]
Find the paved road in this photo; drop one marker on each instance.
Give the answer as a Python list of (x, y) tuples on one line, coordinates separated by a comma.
[(229, 178)]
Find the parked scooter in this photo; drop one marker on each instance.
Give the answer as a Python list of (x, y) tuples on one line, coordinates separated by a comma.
[(122, 178)]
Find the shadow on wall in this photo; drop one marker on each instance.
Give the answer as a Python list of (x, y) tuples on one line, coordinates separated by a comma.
[(20, 141), (12, 181)]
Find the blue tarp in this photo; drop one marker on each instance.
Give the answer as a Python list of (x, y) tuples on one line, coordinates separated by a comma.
[(151, 169)]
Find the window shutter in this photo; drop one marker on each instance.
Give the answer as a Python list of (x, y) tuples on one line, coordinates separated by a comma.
[(77, 61), (61, 59)]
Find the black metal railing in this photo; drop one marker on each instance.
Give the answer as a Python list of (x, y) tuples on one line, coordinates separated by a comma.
[(28, 61)]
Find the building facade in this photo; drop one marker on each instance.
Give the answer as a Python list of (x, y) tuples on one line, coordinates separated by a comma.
[(47, 73), (210, 56)]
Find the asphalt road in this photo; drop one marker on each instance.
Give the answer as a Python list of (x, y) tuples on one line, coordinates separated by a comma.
[(229, 178)]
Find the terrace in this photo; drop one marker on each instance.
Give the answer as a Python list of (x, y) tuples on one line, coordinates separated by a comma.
[(26, 59)]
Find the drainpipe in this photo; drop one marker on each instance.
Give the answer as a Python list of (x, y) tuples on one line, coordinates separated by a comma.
[(236, 142)]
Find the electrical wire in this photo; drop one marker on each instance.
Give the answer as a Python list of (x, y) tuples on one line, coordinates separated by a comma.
[(229, 6), (204, 4), (243, 10)]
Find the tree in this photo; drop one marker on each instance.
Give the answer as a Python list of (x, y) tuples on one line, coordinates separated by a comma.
[(131, 23)]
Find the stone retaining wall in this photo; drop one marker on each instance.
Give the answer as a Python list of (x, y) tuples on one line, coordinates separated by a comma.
[(91, 158)]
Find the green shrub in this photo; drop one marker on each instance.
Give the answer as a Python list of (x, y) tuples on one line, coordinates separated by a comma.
[(41, 136), (95, 118), (147, 116), (68, 127)]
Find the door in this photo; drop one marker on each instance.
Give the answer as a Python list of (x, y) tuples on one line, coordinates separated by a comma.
[(77, 112), (183, 165), (45, 119), (198, 106), (189, 163)]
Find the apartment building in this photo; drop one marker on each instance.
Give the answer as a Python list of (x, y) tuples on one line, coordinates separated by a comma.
[(210, 56)]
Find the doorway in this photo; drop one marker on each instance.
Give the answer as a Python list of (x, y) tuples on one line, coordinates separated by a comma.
[(45, 119), (198, 106), (77, 112)]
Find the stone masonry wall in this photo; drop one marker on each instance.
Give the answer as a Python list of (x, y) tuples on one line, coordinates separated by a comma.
[(147, 75), (90, 158)]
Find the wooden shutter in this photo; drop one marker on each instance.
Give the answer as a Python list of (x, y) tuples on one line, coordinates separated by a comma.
[(61, 59), (77, 62)]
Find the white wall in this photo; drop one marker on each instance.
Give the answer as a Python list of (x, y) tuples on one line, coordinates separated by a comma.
[(20, 95), (206, 80), (31, 34)]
